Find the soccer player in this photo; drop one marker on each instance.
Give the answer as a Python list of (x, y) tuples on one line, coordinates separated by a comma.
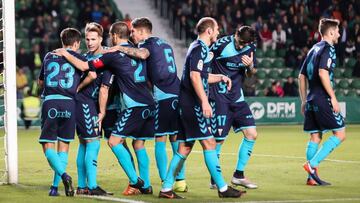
[(60, 81), (160, 63), (136, 121), (234, 57), (87, 115), (195, 110), (320, 106)]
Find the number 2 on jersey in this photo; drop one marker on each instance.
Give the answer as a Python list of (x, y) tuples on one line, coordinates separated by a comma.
[(170, 59), (137, 72), (54, 69)]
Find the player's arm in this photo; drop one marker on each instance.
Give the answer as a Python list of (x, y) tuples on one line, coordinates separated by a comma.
[(302, 91), (325, 63), (196, 81), (91, 76), (78, 63), (249, 62), (103, 98), (216, 78), (325, 81), (139, 53)]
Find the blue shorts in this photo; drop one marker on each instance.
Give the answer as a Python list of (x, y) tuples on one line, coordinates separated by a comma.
[(193, 125), (166, 117), (320, 117), (237, 115), (109, 121), (136, 123), (57, 120), (86, 117)]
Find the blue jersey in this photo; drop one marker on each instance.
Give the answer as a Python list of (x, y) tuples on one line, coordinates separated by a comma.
[(60, 78), (198, 58), (161, 68), (321, 56), (91, 91), (227, 61), (130, 76)]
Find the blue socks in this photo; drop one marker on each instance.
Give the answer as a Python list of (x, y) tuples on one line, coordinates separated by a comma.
[(144, 166), (311, 150), (181, 174), (63, 156), (218, 149), (176, 161), (92, 151), (212, 163), (328, 146), (81, 168), (54, 161), (245, 151), (124, 159), (161, 158)]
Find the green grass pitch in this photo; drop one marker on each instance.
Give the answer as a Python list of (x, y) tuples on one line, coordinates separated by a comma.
[(276, 166)]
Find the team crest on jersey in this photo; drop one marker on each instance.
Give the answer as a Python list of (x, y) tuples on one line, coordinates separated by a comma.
[(210, 55), (328, 64), (200, 65)]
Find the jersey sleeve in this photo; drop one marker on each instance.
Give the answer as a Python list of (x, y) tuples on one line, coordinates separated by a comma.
[(107, 78), (326, 59), (41, 74), (197, 58)]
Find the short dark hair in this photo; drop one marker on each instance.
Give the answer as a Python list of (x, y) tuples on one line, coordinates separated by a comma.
[(69, 36), (94, 27), (142, 23), (246, 34), (120, 28), (205, 23), (326, 23)]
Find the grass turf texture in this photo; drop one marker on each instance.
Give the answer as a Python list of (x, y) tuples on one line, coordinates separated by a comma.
[(276, 166)]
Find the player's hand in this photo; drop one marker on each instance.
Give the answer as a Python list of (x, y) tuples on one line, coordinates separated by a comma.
[(110, 50), (60, 52), (227, 81), (335, 105), (303, 104), (248, 60), (206, 109), (101, 117)]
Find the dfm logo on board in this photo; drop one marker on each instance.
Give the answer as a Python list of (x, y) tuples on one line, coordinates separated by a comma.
[(273, 110), (281, 110)]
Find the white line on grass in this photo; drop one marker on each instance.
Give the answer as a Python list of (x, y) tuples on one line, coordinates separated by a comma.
[(306, 200), (282, 156), (113, 199)]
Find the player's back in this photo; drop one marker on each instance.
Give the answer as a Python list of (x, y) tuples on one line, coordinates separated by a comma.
[(198, 58), (59, 76), (227, 61), (161, 68), (321, 56), (130, 75)]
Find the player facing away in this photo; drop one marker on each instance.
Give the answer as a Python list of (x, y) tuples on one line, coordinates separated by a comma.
[(234, 57), (160, 63), (136, 121), (60, 81), (87, 119), (320, 107), (195, 110)]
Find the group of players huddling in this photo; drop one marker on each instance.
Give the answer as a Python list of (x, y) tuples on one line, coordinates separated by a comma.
[(134, 92)]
